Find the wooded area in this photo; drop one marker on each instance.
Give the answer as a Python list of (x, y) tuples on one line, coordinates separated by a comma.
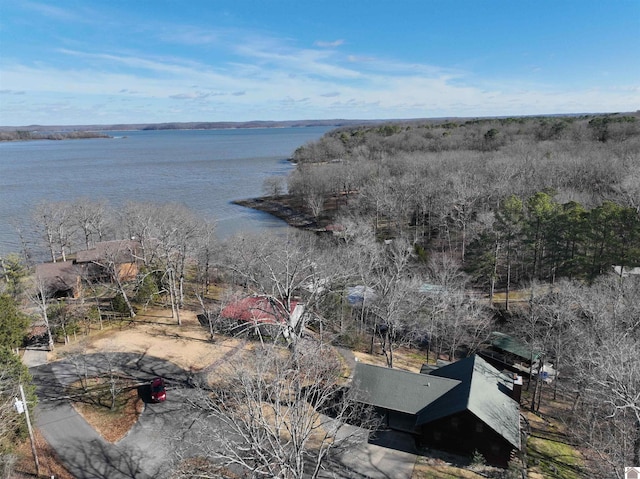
[(442, 232), (512, 199)]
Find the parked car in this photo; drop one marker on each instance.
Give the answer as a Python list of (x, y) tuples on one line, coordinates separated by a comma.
[(158, 390)]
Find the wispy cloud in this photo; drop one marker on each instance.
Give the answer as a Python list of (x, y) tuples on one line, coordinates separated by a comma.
[(360, 58), (173, 66), (190, 96), (333, 44), (303, 61), (82, 14), (189, 35)]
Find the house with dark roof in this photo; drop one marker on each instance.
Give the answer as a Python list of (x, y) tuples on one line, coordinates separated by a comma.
[(462, 407), (64, 278)]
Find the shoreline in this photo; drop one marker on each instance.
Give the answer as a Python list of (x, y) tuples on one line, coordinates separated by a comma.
[(281, 208)]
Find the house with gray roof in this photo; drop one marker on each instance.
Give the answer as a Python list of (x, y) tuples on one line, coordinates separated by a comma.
[(64, 278), (463, 407), (108, 258)]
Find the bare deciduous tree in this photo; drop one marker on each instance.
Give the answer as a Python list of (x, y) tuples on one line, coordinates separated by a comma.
[(278, 415), (285, 270), (91, 219), (54, 222), (273, 186), (39, 295), (602, 366)]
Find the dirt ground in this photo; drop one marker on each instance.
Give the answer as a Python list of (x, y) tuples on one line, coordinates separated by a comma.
[(155, 333)]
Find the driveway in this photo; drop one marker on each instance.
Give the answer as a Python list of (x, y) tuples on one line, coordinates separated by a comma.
[(147, 449)]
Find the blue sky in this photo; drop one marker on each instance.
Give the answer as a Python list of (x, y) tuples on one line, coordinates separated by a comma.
[(68, 62)]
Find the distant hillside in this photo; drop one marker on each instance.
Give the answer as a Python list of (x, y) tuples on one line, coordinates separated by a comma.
[(219, 125), (216, 125)]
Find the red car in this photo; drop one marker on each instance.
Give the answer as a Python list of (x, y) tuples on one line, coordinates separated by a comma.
[(158, 391)]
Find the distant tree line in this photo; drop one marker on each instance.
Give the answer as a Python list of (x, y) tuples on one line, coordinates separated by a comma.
[(23, 135)]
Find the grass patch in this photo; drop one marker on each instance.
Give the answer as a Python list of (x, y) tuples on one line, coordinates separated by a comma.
[(94, 403), (555, 460), (442, 465), (416, 356), (426, 469)]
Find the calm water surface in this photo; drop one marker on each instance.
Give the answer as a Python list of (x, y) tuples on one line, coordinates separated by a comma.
[(203, 169)]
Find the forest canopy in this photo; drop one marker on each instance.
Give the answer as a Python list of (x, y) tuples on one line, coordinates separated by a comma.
[(542, 197)]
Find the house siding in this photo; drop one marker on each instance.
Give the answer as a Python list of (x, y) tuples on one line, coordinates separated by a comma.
[(401, 421), (463, 433)]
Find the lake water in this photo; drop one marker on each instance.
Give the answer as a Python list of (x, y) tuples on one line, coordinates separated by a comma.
[(202, 169)]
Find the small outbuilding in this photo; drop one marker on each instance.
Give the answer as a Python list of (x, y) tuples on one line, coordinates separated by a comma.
[(260, 310), (360, 295), (506, 352), (263, 314)]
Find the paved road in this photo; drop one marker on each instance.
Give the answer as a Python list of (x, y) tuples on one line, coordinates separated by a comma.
[(151, 445)]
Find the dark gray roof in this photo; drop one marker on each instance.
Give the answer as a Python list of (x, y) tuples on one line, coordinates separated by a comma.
[(398, 390), (428, 368), (470, 384), (483, 391)]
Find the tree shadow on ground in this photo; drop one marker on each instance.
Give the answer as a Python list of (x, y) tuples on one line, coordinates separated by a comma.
[(98, 460)]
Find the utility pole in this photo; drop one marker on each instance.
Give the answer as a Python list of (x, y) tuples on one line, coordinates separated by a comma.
[(21, 406)]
